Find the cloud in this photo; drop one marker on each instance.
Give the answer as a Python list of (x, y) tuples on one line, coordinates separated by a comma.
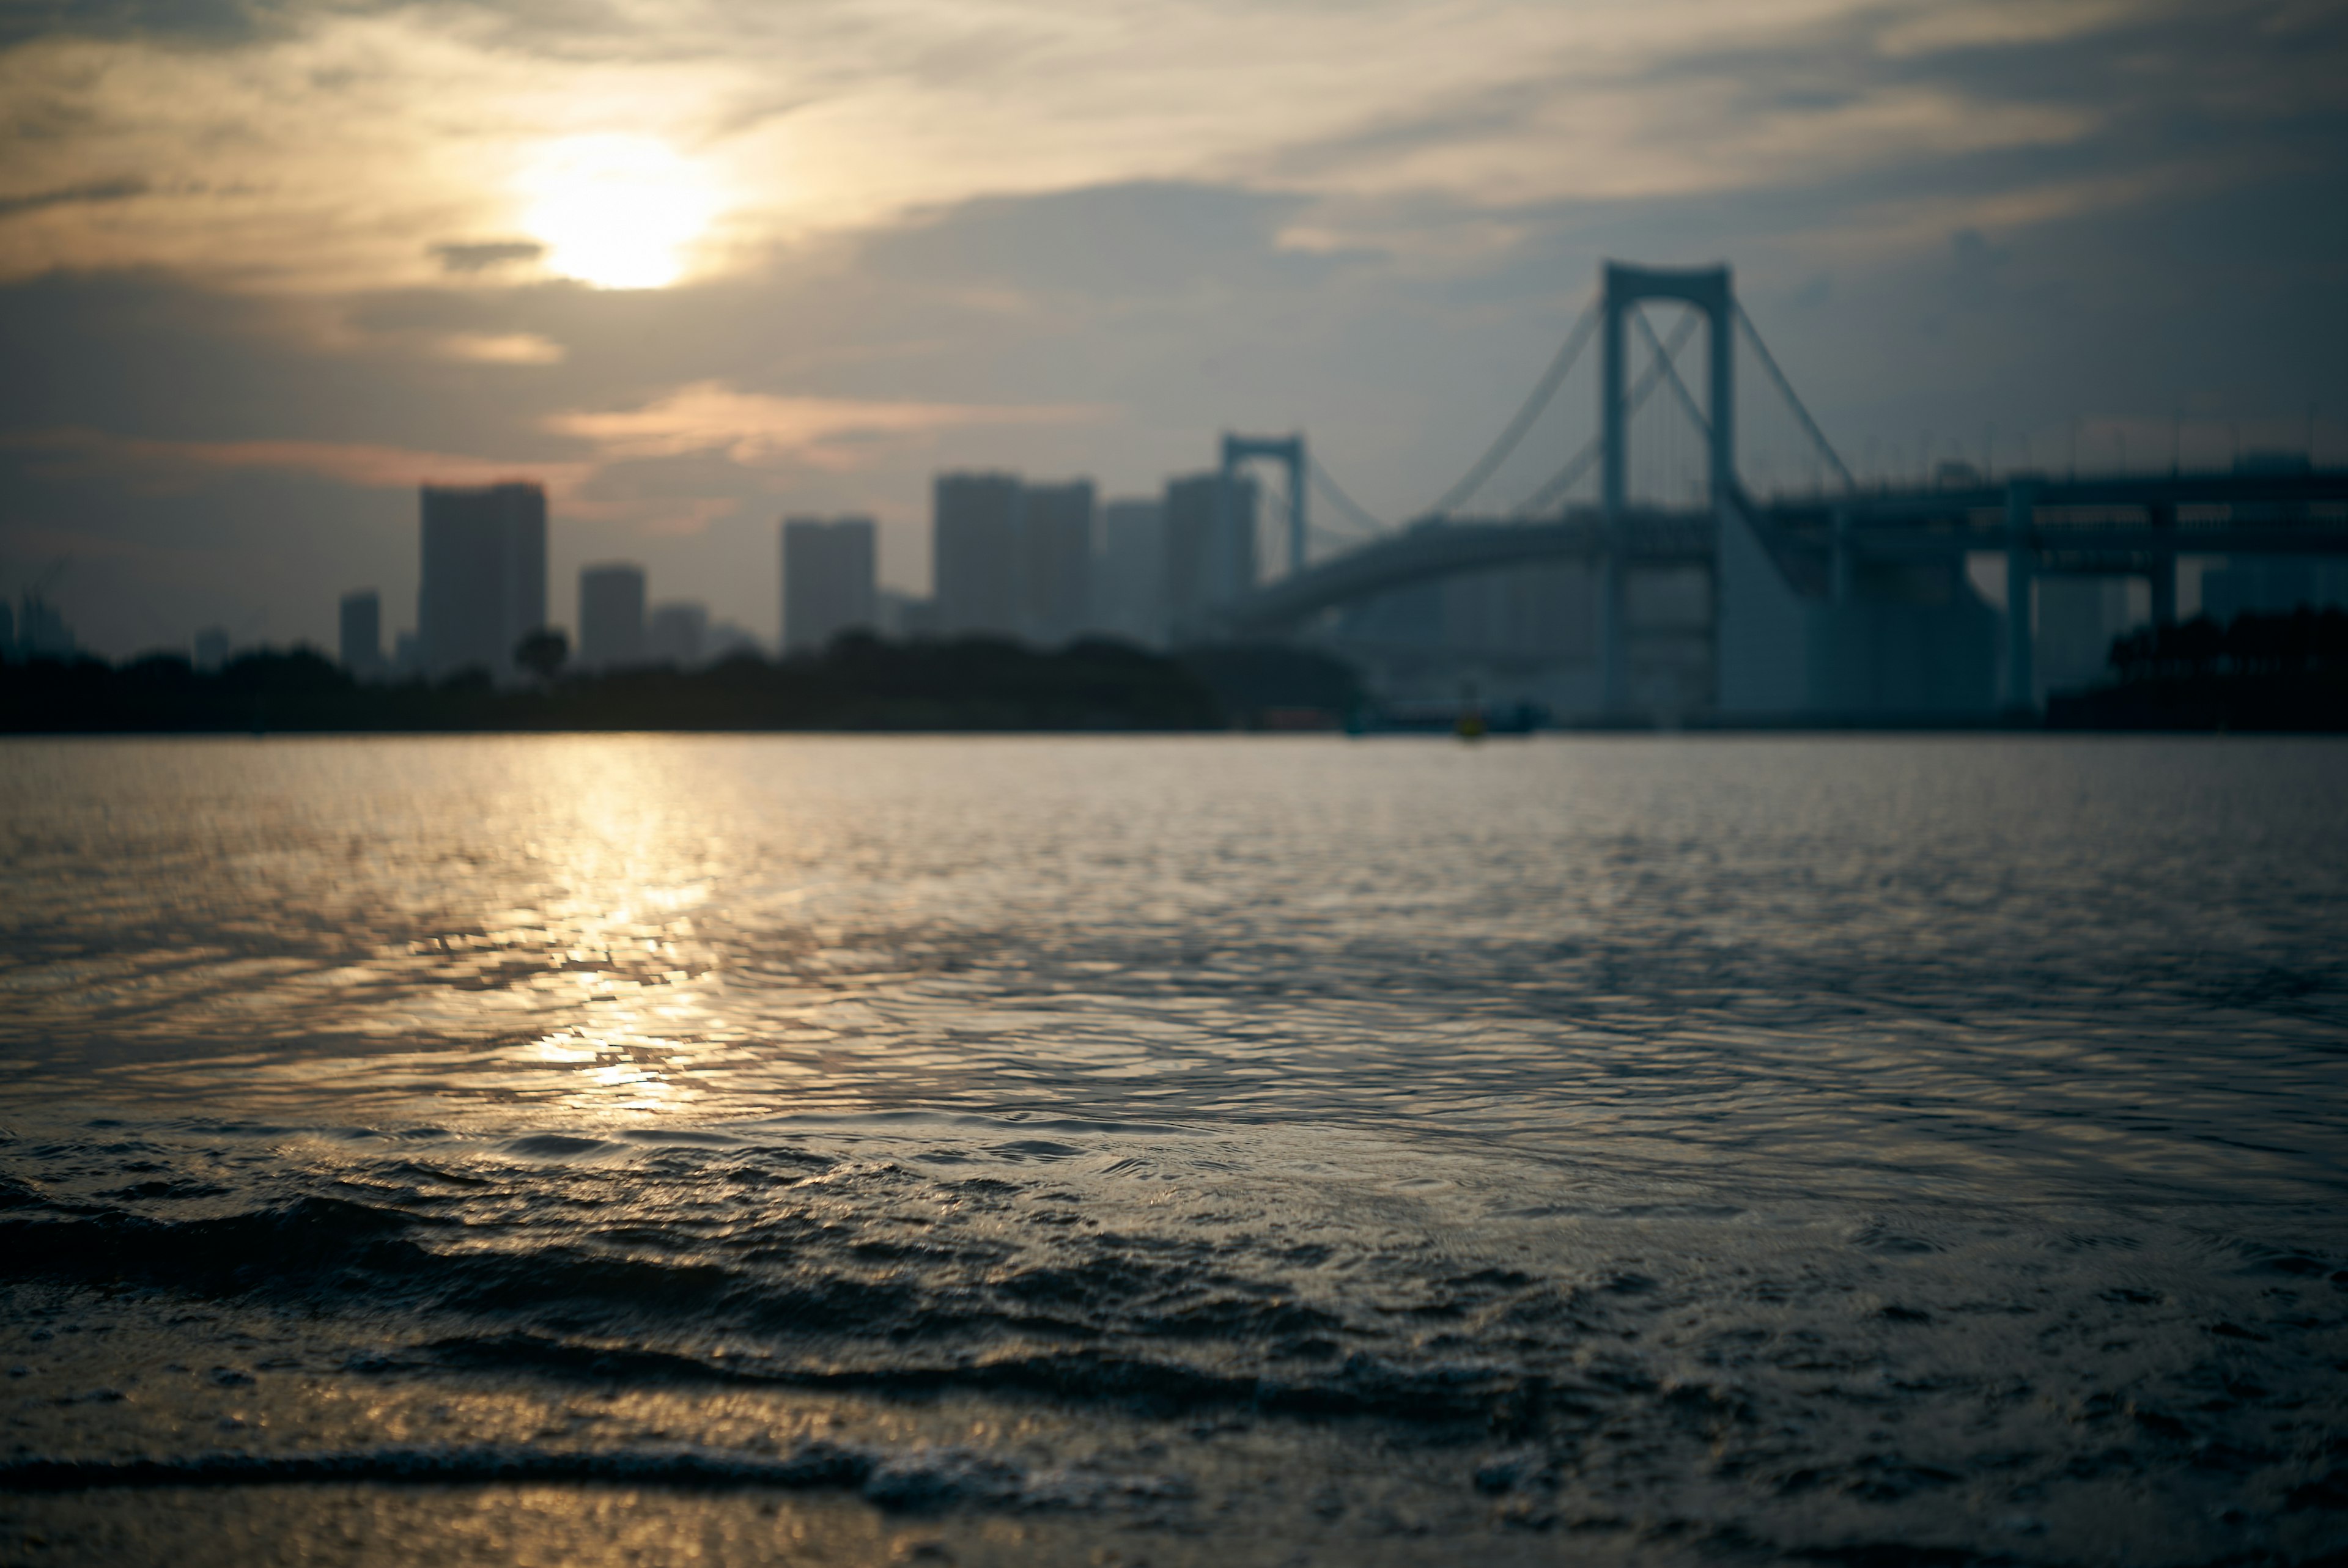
[(483, 256), (1125, 240), (206, 21), (168, 464), (2001, 24), (500, 348), (707, 420), (829, 116), (756, 430), (99, 190)]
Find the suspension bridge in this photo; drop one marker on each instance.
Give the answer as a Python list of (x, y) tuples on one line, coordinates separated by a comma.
[(1841, 596)]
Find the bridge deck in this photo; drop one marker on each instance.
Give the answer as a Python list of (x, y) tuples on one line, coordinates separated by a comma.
[(2108, 516)]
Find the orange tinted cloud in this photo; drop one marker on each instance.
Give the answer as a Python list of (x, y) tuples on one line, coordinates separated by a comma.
[(176, 464), (756, 430)]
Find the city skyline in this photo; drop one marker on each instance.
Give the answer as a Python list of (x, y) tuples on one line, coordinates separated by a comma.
[(2028, 229)]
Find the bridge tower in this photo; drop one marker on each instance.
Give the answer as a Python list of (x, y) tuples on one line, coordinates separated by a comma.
[(1286, 450), (1707, 288)]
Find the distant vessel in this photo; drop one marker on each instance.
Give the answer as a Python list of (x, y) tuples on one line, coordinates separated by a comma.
[(1471, 725)]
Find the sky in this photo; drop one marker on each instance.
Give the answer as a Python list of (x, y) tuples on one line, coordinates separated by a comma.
[(697, 264)]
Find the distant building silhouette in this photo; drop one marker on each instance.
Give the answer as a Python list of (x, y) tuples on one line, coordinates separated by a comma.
[(725, 639), (361, 633), (41, 631), (1129, 578), (975, 553), (610, 616), (2273, 585), (484, 574), (677, 633), (1056, 560), (829, 580), (905, 615), (212, 648), (1209, 544)]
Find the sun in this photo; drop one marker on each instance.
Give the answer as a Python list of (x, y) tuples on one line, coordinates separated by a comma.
[(616, 211)]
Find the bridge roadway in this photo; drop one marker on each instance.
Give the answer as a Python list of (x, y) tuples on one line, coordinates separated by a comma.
[(2112, 523), (1444, 549)]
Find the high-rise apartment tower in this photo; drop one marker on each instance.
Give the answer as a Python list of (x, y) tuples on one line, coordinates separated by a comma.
[(975, 538), (1210, 545), (361, 633), (484, 576), (1130, 585), (1056, 560), (612, 615), (828, 587)]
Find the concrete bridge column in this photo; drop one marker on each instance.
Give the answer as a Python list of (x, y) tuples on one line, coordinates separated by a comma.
[(1287, 450), (1613, 660), (2020, 569), (1842, 556), (2163, 570), (1707, 288)]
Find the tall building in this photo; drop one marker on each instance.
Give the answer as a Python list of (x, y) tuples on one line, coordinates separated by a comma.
[(906, 615), (1210, 545), (361, 633), (610, 616), (975, 553), (41, 630), (1130, 582), (829, 580), (1056, 560), (2272, 585), (484, 576), (677, 633), (725, 640)]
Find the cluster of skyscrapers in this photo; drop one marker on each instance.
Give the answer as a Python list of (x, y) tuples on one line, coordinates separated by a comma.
[(1043, 563), (618, 630), (34, 629), (481, 591), (1048, 562)]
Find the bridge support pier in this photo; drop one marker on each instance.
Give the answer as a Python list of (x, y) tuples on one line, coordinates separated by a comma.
[(2163, 571), (2020, 569), (1287, 451), (1614, 661), (1706, 289)]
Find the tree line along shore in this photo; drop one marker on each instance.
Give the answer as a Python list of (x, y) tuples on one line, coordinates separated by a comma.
[(2286, 672), (859, 682)]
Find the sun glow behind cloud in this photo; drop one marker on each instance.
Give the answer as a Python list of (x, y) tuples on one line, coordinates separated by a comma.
[(616, 211), (326, 155)]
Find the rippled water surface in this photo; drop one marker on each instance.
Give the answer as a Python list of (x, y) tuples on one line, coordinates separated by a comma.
[(673, 1149)]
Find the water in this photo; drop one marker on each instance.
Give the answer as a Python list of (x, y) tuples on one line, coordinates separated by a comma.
[(668, 1149)]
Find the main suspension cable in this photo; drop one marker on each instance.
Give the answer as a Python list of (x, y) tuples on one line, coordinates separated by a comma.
[(1544, 389), (1565, 479), (1769, 363)]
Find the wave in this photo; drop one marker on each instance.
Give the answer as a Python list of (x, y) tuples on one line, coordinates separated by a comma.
[(1362, 1385), (1142, 1322), (923, 1479)]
